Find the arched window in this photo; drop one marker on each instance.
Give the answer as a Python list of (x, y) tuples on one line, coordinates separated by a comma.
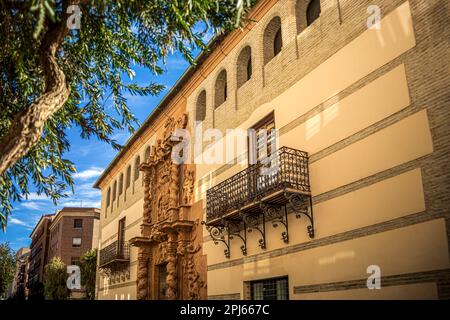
[(114, 191), (108, 197), (221, 88), (313, 11), (128, 177), (121, 184), (136, 168), (273, 39), (244, 66), (147, 154), (200, 110)]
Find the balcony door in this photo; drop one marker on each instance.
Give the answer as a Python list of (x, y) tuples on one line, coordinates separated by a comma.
[(121, 237), (261, 147)]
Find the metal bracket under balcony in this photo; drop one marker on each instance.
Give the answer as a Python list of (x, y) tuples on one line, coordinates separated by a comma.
[(115, 257), (245, 202)]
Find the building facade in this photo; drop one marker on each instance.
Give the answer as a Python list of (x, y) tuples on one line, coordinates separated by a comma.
[(19, 288), (38, 256), (73, 232), (356, 112), (68, 235)]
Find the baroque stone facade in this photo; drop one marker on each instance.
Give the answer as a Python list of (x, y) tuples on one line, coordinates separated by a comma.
[(168, 243)]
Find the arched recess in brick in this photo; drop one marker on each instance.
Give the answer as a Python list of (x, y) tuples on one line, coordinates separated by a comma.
[(244, 66), (121, 184), (114, 191), (128, 180), (221, 89), (200, 107), (272, 39), (108, 201), (137, 163)]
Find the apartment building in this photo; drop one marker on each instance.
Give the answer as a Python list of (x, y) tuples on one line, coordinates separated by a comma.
[(19, 288), (73, 232), (353, 98), (67, 234), (38, 256)]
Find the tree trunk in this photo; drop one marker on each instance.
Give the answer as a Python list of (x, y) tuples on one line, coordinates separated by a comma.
[(27, 127)]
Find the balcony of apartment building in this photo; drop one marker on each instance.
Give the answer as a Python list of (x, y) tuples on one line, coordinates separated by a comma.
[(264, 192), (115, 256)]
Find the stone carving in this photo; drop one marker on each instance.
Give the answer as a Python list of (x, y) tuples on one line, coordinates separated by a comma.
[(157, 235), (166, 237), (171, 280), (193, 282), (142, 273), (188, 186)]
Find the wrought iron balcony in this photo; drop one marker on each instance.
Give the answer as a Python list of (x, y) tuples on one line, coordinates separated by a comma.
[(260, 193), (114, 255)]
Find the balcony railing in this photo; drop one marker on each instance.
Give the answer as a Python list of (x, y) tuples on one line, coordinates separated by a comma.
[(116, 253), (287, 169)]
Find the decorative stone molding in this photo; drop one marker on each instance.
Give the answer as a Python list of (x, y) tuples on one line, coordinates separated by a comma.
[(167, 231)]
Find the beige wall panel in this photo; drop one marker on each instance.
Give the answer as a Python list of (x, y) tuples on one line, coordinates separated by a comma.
[(401, 142), (383, 201), (417, 291), (225, 281), (416, 248), (372, 103)]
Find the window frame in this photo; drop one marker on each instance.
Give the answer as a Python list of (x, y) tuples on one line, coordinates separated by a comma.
[(76, 245), (75, 225)]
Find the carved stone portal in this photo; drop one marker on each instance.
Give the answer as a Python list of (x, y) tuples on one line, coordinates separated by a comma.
[(168, 231)]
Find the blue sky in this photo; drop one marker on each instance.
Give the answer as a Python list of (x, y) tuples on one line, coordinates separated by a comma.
[(90, 157)]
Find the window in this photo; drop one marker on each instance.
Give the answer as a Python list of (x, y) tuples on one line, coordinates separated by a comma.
[(121, 231), (200, 113), (162, 278), (313, 11), (121, 184), (270, 289), (262, 139), (114, 195), (137, 163), (128, 177), (221, 88), (76, 242), (244, 66), (272, 39), (108, 197), (147, 154), (78, 223)]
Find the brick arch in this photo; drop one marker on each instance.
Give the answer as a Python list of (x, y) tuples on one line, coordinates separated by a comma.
[(200, 106), (220, 88), (272, 34), (244, 66)]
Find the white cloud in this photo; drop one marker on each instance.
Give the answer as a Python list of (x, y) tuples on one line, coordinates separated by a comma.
[(86, 190), (17, 222), (92, 172), (35, 196), (31, 205)]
